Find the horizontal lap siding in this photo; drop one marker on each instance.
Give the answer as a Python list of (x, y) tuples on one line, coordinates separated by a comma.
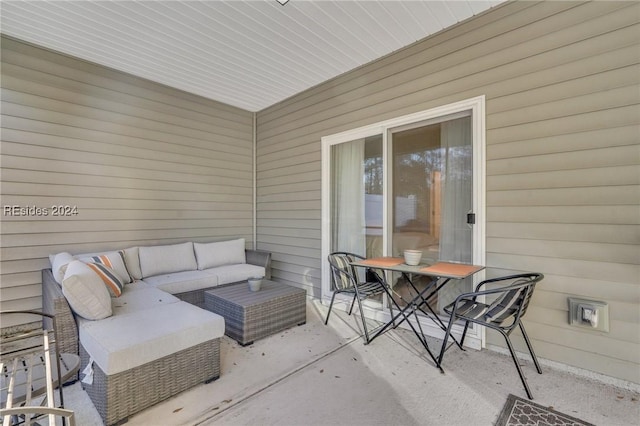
[(563, 159), (144, 164)]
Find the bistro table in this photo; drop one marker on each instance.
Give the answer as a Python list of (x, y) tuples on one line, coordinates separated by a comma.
[(443, 272)]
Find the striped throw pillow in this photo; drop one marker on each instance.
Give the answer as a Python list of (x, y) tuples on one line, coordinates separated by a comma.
[(115, 261), (109, 277)]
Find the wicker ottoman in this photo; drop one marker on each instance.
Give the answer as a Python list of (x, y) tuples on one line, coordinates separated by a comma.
[(253, 315)]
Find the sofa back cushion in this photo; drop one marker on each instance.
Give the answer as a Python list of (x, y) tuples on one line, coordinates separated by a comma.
[(86, 292), (211, 255), (132, 259), (157, 260)]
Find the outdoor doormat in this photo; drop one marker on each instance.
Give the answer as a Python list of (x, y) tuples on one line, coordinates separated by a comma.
[(518, 411)]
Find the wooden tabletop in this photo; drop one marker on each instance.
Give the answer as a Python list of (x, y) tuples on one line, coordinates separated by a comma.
[(438, 269)]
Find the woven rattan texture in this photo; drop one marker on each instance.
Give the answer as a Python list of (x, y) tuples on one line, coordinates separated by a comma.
[(118, 396), (54, 303), (253, 315), (195, 297)]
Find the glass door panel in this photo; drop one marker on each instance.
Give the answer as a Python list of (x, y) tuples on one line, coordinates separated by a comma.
[(432, 190), (357, 197), (456, 235)]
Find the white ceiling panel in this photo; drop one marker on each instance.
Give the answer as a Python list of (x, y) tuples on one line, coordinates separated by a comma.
[(250, 54)]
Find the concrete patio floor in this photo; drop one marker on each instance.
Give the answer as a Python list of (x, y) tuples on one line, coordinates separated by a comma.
[(324, 375)]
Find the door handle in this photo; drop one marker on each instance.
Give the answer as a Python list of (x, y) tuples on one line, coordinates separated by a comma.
[(471, 218)]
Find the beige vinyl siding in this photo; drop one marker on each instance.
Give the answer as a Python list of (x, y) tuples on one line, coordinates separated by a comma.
[(562, 88), (144, 164)]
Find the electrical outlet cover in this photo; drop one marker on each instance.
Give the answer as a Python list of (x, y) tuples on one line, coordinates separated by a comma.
[(576, 307)]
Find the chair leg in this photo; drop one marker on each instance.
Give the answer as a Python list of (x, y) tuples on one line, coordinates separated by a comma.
[(363, 319), (352, 302), (326, 321), (464, 334), (446, 338), (533, 355), (515, 361)]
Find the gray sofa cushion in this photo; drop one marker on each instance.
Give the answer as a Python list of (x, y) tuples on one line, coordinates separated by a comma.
[(211, 255), (122, 342), (135, 299), (132, 259), (233, 273), (157, 260), (136, 285), (181, 282)]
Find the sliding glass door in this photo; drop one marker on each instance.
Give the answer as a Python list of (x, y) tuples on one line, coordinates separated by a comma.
[(415, 182)]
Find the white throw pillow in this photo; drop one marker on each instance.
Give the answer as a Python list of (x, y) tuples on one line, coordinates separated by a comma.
[(211, 255), (158, 260), (59, 264), (86, 292)]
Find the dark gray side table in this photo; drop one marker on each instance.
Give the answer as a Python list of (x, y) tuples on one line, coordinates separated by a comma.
[(253, 315)]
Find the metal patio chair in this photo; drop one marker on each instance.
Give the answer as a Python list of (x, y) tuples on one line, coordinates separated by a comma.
[(504, 314), (344, 279), (31, 369)]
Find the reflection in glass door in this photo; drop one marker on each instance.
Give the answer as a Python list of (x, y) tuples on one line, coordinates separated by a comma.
[(432, 193)]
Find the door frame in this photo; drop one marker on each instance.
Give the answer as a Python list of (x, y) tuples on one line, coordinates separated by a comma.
[(475, 337)]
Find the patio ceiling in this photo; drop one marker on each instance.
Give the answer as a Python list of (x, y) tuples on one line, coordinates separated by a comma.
[(250, 54)]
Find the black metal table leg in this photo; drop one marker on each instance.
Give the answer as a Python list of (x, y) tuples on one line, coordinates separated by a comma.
[(402, 312), (425, 300)]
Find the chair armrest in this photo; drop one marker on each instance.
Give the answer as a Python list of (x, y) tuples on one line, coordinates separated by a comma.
[(260, 258), (535, 277), (529, 276), (54, 303), (29, 411)]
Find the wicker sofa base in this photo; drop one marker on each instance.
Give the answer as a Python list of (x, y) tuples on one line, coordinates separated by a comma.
[(120, 395)]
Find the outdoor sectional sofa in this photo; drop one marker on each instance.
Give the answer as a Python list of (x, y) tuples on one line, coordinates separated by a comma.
[(154, 339)]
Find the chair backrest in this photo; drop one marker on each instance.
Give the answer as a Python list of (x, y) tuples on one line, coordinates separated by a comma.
[(21, 354), (343, 275), (513, 301)]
